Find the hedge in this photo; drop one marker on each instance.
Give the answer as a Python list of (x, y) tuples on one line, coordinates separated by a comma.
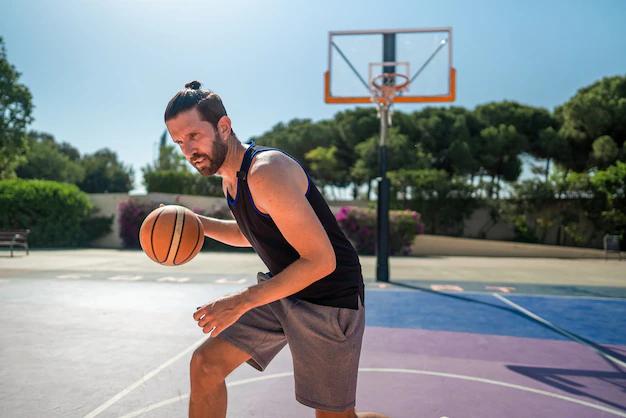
[(58, 214), (359, 225)]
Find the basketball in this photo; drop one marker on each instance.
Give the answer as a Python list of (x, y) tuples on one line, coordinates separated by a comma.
[(171, 235)]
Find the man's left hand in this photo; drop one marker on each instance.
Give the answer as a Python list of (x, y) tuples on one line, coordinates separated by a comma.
[(220, 314)]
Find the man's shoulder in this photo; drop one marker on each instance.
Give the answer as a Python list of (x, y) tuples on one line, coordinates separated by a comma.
[(274, 166), (272, 163)]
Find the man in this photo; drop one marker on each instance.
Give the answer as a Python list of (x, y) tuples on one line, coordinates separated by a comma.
[(313, 295)]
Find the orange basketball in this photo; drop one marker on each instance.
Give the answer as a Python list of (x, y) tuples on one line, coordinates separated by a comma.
[(171, 235)]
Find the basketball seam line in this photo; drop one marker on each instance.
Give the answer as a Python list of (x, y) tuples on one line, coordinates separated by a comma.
[(198, 224), (182, 228), (172, 237), (152, 236), (176, 234)]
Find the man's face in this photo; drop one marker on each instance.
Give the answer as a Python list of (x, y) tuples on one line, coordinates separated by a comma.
[(199, 142)]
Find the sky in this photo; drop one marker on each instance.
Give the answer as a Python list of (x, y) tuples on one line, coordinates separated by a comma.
[(102, 72)]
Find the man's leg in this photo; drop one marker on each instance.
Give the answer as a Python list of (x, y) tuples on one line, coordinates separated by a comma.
[(210, 364)]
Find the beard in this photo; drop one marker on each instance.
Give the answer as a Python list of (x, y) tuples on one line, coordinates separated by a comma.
[(209, 166)]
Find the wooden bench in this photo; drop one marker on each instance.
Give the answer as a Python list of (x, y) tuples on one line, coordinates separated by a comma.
[(14, 237)]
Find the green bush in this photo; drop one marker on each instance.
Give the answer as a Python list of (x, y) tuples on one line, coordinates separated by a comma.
[(58, 214), (359, 225)]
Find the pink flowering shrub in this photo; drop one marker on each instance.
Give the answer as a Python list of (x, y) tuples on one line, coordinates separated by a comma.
[(359, 225), (130, 215)]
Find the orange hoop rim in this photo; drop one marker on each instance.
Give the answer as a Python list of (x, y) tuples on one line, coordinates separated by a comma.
[(384, 92)]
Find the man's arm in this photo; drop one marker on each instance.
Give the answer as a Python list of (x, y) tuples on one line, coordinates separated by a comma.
[(225, 231), (279, 189)]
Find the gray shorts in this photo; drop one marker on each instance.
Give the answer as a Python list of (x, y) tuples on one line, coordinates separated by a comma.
[(325, 344)]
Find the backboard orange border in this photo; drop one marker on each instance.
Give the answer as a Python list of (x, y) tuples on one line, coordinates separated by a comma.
[(450, 97)]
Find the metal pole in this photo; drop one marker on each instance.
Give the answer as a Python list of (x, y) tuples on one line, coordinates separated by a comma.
[(382, 226), (382, 254)]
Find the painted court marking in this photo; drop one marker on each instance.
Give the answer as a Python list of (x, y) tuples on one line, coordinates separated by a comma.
[(73, 276), (501, 289), (173, 279), (405, 371), (559, 329), (224, 280), (446, 288), (125, 278)]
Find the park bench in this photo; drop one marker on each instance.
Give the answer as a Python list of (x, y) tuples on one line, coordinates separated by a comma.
[(14, 237)]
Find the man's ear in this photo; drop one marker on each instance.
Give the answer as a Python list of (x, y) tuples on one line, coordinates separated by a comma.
[(223, 126)]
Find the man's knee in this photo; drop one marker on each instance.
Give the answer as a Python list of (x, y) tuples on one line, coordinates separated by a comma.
[(206, 367), (215, 359)]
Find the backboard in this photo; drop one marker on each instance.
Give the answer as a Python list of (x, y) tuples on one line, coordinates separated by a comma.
[(420, 59)]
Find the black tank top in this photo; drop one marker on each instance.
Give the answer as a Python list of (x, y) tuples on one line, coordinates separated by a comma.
[(343, 286)]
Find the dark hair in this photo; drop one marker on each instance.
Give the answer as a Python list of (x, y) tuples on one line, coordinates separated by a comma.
[(209, 104)]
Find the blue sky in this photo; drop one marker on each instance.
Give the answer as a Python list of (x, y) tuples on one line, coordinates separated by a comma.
[(101, 72)]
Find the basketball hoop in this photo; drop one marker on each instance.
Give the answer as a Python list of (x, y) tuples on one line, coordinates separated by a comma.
[(384, 93)]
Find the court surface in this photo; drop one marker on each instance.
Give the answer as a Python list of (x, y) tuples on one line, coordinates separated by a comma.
[(93, 342)]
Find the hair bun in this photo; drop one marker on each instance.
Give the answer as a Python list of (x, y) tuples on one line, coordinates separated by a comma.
[(194, 85)]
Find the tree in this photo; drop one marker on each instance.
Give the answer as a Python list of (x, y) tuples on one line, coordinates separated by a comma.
[(551, 145), (604, 151), (593, 112), (299, 136), (324, 165), (400, 153), (105, 174), (610, 187), (15, 115), (502, 146), (353, 126), (170, 173), (443, 201), (169, 156), (47, 160), (451, 135)]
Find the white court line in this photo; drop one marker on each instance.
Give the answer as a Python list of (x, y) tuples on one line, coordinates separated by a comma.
[(406, 371), (224, 280), (559, 329), (73, 276), (173, 279), (126, 278), (144, 379)]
